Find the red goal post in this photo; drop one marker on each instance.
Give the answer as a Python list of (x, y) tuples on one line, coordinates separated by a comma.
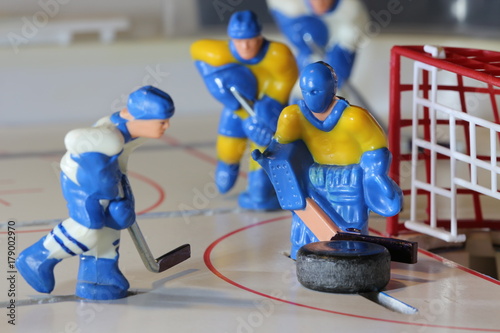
[(444, 103)]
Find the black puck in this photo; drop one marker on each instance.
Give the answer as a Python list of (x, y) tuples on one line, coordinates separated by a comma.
[(343, 266)]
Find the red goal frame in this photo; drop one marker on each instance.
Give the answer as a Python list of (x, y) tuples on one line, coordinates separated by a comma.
[(479, 65)]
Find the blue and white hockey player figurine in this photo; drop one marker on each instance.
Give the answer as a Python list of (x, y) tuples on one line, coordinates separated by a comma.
[(323, 30), (99, 198)]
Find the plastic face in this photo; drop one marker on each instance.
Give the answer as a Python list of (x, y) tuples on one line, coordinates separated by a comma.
[(150, 128), (318, 86), (248, 48), (320, 7), (317, 92), (317, 99)]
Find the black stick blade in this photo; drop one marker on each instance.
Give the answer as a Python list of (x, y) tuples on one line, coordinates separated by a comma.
[(174, 257), (400, 250)]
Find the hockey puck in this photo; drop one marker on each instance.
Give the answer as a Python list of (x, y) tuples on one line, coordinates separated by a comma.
[(343, 266)]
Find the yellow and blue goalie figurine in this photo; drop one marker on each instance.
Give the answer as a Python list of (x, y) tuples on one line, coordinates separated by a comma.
[(332, 152)]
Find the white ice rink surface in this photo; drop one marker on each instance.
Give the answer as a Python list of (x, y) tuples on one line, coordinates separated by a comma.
[(238, 278)]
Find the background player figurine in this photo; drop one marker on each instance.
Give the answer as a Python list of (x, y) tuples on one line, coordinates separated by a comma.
[(99, 198), (343, 165), (327, 30), (249, 72)]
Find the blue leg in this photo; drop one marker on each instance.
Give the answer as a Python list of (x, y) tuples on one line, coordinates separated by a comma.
[(100, 279), (231, 143), (260, 194), (300, 235), (225, 176), (36, 268)]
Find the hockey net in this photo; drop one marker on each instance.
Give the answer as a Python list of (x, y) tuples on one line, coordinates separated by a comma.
[(444, 132)]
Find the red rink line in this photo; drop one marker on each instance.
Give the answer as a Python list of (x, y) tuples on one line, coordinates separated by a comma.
[(18, 191), (21, 191), (198, 154), (149, 181), (155, 185), (191, 151), (205, 157), (455, 265), (449, 263), (211, 267)]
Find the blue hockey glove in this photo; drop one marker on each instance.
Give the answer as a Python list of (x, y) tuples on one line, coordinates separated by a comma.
[(122, 211), (219, 80), (382, 194)]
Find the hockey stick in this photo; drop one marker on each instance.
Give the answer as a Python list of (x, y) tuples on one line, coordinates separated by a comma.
[(285, 168), (163, 262), (243, 101), (324, 228)]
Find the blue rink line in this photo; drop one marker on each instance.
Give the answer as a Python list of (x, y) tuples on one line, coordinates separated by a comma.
[(146, 216), (60, 153)]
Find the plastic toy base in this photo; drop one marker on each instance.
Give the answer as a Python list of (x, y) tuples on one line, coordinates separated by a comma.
[(99, 292), (343, 266)]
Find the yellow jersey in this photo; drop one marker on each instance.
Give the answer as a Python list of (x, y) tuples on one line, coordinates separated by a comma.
[(355, 133), (276, 72)]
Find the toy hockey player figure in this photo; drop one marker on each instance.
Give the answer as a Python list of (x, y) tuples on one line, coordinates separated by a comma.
[(261, 74), (99, 198), (327, 30), (343, 165)]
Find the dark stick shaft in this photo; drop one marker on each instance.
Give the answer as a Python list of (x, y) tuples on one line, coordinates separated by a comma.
[(400, 250)]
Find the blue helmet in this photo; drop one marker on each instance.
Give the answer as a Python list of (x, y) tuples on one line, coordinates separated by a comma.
[(243, 24), (318, 83), (149, 102)]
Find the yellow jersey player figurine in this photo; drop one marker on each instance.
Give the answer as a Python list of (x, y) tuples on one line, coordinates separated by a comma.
[(252, 77), (333, 153)]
